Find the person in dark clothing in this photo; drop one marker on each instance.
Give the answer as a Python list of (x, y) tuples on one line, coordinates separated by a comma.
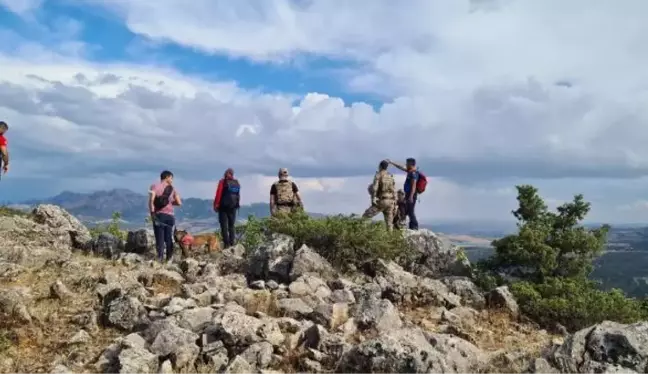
[(401, 210), (162, 198), (410, 189), (226, 204)]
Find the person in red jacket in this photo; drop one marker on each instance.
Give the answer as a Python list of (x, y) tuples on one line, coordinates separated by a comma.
[(3, 147), (226, 204)]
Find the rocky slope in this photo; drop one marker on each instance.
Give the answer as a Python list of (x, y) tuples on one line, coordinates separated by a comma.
[(69, 303)]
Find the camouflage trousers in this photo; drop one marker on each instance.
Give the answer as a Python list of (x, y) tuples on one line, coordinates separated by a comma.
[(388, 209), (285, 210)]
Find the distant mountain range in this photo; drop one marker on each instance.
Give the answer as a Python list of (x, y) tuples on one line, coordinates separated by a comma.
[(624, 265), (98, 206)]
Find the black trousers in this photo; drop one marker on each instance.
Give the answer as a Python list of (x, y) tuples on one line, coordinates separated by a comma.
[(163, 230), (227, 220)]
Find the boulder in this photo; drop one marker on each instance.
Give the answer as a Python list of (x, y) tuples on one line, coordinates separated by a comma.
[(307, 261), (123, 311), (59, 219), (436, 257), (406, 288), (238, 331), (412, 351), (137, 360), (140, 241), (238, 365), (107, 245), (178, 344), (607, 347), (272, 260), (258, 355), (502, 298), (31, 244), (13, 302), (470, 294), (294, 308), (378, 314)]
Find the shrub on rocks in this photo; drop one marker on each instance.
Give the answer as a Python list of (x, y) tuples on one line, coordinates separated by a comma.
[(548, 262), (344, 241)]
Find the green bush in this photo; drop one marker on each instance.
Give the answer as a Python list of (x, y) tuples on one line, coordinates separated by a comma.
[(556, 253), (575, 303), (112, 228), (550, 244), (342, 240)]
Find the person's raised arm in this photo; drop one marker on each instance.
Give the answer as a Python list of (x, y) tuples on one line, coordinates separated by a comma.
[(397, 165)]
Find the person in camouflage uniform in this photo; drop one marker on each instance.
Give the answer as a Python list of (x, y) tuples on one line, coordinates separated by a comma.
[(382, 195), (400, 210), (284, 195)]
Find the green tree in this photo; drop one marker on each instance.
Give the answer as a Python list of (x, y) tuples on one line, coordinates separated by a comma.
[(550, 244), (555, 254), (113, 227)]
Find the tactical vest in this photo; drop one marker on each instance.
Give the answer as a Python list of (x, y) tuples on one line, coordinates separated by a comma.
[(285, 194), (386, 186)]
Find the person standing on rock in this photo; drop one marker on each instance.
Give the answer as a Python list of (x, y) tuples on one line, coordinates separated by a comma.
[(411, 188), (382, 195), (284, 195), (162, 197), (400, 210), (4, 163), (226, 204)]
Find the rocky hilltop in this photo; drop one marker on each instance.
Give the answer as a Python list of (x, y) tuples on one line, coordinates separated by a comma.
[(73, 303)]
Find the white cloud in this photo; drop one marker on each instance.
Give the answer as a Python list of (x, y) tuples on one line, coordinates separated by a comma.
[(21, 6), (487, 92)]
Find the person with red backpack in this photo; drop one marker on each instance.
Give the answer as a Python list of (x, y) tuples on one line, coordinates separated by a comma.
[(415, 184), (226, 204)]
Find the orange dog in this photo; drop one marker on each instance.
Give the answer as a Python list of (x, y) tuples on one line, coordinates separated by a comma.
[(189, 242)]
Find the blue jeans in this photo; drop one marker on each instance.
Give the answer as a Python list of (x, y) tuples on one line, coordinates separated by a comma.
[(163, 229)]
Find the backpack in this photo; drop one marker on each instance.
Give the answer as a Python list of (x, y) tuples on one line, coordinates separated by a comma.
[(285, 194), (231, 196), (161, 201), (421, 183)]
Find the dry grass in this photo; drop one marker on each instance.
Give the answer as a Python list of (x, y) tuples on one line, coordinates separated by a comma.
[(37, 346), (492, 331), (12, 212)]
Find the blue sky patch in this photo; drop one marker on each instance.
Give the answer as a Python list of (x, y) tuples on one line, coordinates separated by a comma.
[(109, 41)]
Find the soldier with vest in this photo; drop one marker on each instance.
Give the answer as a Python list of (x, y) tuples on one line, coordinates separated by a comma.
[(382, 195), (284, 195), (226, 204)]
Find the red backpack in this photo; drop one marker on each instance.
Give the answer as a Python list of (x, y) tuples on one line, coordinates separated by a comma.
[(421, 183)]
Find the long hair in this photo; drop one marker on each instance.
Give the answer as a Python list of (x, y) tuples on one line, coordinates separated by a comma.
[(228, 173)]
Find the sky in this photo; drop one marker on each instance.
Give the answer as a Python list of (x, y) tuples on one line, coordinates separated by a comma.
[(485, 94)]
